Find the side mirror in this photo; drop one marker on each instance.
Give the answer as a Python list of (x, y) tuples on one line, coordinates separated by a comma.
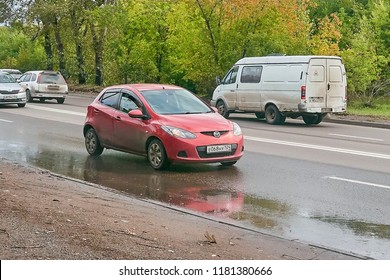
[(136, 113), (218, 80)]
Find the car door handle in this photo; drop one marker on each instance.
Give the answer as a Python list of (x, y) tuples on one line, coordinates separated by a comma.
[(328, 86), (96, 111), (118, 118)]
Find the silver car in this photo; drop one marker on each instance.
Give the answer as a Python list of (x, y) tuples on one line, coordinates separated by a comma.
[(10, 91), (44, 85), (15, 73)]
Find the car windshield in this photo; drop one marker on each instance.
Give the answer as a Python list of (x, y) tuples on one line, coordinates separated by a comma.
[(51, 78), (175, 101), (6, 79)]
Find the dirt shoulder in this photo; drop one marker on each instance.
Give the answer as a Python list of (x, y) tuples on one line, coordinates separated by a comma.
[(45, 216)]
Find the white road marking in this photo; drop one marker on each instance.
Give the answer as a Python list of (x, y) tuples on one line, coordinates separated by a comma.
[(2, 120), (357, 182), (316, 147), (356, 137), (56, 110)]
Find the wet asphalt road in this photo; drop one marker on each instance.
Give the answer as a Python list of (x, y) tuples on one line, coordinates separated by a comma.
[(327, 185)]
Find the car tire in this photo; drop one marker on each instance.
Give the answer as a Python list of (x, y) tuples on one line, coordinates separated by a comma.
[(272, 115), (222, 109), (28, 96), (228, 163), (92, 143), (60, 100), (157, 155), (21, 105)]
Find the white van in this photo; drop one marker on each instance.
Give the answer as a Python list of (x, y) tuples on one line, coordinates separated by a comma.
[(276, 87)]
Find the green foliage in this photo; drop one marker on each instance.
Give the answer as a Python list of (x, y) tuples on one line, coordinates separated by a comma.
[(190, 42), (17, 51)]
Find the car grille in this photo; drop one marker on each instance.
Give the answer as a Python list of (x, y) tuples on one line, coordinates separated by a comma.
[(15, 91), (211, 133), (202, 152)]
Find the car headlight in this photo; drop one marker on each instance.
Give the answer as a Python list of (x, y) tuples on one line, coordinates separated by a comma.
[(178, 132), (236, 129)]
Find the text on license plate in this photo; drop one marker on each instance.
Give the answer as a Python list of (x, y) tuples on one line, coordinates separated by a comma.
[(219, 149), (9, 97)]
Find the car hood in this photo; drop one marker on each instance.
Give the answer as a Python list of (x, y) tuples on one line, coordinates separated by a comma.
[(197, 122), (9, 86)]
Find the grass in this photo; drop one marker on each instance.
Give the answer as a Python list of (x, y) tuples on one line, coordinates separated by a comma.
[(379, 108)]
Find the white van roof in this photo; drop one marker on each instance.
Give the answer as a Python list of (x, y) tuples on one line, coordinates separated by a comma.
[(282, 59)]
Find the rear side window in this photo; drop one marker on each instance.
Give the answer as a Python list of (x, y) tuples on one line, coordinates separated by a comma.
[(110, 98), (251, 74), (51, 78)]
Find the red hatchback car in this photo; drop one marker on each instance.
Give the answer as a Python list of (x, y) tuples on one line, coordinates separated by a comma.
[(166, 123)]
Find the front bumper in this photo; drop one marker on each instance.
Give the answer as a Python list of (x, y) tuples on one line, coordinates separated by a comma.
[(195, 150), (19, 98)]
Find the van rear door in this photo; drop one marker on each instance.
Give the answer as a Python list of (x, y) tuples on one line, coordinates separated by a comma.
[(325, 85), (336, 88)]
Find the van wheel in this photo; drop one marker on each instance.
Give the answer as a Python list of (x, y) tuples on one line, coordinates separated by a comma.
[(60, 100), (222, 109), (313, 119), (260, 115), (272, 115), (320, 118)]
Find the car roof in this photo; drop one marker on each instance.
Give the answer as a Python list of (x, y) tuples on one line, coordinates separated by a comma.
[(141, 87), (43, 71), (11, 71)]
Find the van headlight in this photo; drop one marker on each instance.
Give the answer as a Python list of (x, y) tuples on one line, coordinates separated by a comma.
[(178, 132), (236, 129)]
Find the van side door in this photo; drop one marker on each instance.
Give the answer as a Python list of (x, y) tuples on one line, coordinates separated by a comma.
[(248, 88)]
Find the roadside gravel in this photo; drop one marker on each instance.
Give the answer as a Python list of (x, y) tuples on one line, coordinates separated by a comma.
[(47, 216)]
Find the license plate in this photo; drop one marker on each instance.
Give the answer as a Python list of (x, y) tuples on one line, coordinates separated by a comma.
[(9, 97), (51, 87), (219, 149), (316, 99)]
